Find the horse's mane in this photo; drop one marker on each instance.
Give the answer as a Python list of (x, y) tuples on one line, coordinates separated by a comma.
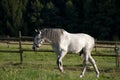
[(52, 34)]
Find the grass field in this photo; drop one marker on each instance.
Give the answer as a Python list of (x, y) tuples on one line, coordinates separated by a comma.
[(42, 66)]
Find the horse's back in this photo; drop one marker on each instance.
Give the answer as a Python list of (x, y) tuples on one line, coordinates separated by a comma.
[(76, 42)]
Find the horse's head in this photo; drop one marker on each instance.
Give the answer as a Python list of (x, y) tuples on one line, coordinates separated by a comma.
[(38, 40)]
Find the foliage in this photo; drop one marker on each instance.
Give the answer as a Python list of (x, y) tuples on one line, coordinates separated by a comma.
[(99, 18)]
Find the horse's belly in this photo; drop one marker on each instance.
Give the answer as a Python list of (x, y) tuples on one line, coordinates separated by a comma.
[(74, 48)]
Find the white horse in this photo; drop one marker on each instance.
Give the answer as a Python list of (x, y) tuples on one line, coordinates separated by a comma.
[(63, 42)]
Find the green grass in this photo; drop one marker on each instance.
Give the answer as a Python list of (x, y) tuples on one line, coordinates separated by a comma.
[(42, 66)]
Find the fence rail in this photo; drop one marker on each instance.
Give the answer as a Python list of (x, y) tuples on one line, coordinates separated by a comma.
[(19, 41), (108, 42)]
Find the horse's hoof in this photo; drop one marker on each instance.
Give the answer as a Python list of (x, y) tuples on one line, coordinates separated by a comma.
[(98, 76), (62, 71), (81, 76)]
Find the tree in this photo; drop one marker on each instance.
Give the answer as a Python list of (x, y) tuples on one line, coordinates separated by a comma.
[(99, 18), (13, 15)]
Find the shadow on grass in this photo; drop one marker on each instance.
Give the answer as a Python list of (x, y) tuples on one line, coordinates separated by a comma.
[(66, 67)]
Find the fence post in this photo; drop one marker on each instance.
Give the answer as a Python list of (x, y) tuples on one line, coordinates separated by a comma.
[(117, 55), (8, 41), (20, 48)]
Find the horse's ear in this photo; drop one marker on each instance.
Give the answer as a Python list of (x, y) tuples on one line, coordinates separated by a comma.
[(39, 32), (36, 30)]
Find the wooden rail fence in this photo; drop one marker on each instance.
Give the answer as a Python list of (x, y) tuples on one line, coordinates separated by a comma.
[(18, 41)]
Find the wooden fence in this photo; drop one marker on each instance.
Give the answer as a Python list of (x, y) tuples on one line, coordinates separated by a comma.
[(99, 44)]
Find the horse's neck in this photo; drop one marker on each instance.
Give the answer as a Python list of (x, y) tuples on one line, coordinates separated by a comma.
[(47, 40), (51, 41)]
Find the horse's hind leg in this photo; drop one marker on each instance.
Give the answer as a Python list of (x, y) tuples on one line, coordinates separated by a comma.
[(85, 62), (81, 52), (94, 65)]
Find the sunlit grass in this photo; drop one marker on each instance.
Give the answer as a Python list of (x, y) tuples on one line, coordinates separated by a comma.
[(42, 66)]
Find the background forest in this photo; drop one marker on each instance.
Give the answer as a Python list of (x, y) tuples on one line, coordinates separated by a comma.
[(99, 18)]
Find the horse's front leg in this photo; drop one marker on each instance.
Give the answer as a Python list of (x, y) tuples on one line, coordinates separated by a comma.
[(59, 61), (60, 65)]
